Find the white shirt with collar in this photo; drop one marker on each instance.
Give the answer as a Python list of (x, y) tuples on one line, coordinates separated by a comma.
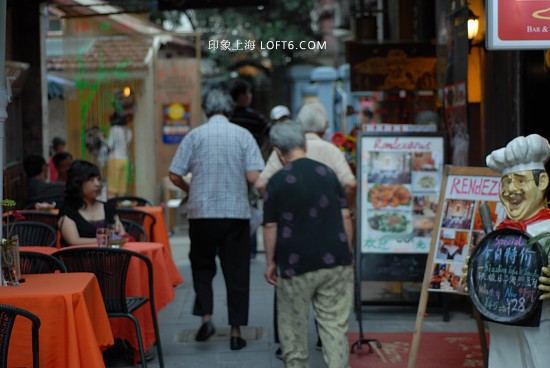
[(319, 150)]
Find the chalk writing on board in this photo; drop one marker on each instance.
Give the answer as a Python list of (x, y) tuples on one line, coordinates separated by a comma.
[(503, 276)]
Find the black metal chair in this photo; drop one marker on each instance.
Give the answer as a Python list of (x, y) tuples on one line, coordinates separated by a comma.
[(136, 201), (139, 217), (8, 314), (39, 216), (34, 262), (111, 269), (135, 230), (33, 233)]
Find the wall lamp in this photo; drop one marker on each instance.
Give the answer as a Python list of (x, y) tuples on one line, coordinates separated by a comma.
[(473, 25), (473, 28)]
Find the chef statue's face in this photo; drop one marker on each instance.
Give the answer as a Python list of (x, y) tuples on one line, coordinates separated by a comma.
[(521, 197)]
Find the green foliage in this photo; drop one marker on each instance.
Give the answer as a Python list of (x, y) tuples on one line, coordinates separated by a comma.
[(8, 203)]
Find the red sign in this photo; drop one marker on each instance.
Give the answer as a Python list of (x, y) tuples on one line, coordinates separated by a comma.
[(524, 20), (518, 24)]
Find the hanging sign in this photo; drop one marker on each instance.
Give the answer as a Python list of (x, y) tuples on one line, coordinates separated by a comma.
[(518, 24), (175, 122)]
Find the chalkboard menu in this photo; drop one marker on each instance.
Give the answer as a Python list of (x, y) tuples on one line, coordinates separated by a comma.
[(503, 277)]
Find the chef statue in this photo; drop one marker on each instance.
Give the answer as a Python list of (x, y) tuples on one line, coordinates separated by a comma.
[(523, 196)]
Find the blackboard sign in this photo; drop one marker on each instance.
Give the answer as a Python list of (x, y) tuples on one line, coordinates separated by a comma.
[(503, 277)]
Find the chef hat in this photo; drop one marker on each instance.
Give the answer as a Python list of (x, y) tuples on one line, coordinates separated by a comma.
[(520, 154)]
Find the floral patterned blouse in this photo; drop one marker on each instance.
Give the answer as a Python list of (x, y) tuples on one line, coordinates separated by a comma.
[(305, 200)]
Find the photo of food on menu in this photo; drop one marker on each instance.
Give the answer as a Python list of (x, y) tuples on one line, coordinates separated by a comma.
[(401, 181)]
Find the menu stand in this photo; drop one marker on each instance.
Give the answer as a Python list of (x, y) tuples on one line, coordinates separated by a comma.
[(358, 311)]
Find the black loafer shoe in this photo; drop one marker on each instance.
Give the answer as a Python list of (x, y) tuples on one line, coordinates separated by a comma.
[(207, 329), (237, 343)]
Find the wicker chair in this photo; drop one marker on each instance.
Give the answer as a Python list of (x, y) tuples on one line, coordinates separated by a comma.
[(34, 262), (39, 216), (135, 230), (136, 201), (111, 269), (139, 217), (8, 314), (33, 233)]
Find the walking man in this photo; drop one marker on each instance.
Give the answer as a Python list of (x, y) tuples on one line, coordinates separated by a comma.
[(223, 159)]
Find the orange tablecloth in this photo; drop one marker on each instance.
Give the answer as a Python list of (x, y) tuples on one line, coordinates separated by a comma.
[(74, 325), (38, 249), (160, 235)]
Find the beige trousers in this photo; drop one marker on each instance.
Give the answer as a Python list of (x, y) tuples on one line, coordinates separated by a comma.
[(117, 181), (330, 290)]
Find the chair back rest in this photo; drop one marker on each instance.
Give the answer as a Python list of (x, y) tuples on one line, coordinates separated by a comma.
[(35, 262), (33, 233), (138, 216), (135, 230), (39, 216), (109, 265), (136, 201), (8, 314)]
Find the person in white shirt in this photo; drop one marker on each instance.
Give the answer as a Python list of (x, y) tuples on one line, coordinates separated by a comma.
[(118, 160), (314, 119)]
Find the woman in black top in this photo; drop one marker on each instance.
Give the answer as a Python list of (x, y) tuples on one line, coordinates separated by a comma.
[(82, 213)]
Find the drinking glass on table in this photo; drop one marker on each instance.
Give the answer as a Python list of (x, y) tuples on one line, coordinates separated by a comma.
[(115, 239), (102, 237)]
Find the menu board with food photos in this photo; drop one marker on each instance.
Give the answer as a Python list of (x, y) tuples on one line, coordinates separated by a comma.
[(400, 178), (458, 228)]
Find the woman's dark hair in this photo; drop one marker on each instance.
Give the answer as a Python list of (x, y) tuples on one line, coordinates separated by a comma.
[(79, 172), (118, 118)]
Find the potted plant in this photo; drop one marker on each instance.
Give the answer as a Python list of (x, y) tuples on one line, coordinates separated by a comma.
[(9, 254)]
